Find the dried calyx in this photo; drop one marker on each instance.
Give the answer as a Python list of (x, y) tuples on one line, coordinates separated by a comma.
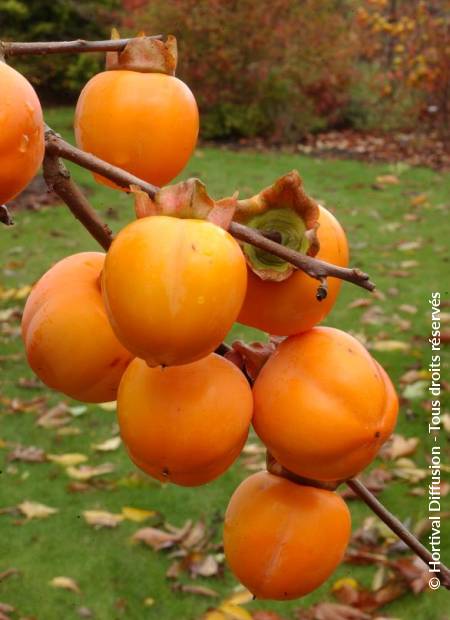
[(144, 55), (284, 213)]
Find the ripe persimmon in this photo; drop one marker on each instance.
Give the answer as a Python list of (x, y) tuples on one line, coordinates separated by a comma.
[(173, 288), (323, 405), (144, 122), (69, 342), (290, 307), (283, 540), (185, 424), (21, 133)]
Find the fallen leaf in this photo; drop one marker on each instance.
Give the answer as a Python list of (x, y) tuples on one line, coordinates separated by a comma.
[(416, 390), (332, 611), (55, 417), (399, 446), (241, 597), (408, 308), (155, 538), (409, 246), (112, 406), (390, 345), (405, 469), (234, 612), (65, 583), (87, 472), (266, 615), (388, 179), (420, 199), (149, 601), (35, 510), (28, 454), (67, 460), (108, 445), (361, 302), (102, 518), (193, 589), (9, 572), (137, 514)]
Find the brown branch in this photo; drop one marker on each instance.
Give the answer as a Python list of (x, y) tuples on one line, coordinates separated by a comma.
[(58, 180), (42, 48), (313, 267), (5, 217), (397, 526)]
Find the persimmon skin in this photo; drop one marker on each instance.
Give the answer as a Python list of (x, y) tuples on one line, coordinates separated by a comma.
[(69, 342), (290, 307), (185, 424), (323, 406), (146, 123), (173, 288), (21, 133), (283, 540)]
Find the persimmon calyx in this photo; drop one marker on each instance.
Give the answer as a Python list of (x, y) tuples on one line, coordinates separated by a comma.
[(283, 212), (144, 55), (187, 200), (251, 357), (275, 468)]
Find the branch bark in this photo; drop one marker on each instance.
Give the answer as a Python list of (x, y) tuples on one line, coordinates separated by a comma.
[(315, 268), (397, 527), (42, 48), (58, 179)]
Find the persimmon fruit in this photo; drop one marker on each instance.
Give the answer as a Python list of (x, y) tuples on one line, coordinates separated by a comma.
[(145, 123), (323, 405), (184, 424), (21, 133), (69, 342), (173, 288), (290, 307), (283, 540)]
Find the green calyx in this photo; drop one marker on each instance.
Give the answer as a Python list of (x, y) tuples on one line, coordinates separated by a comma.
[(287, 228)]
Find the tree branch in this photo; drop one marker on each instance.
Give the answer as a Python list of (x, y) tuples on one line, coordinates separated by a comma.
[(58, 179), (313, 267), (42, 48), (397, 527)]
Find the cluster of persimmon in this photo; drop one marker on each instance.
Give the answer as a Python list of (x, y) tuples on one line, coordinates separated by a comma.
[(141, 324)]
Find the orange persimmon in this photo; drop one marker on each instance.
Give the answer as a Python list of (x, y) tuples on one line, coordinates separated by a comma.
[(289, 307), (21, 133), (185, 424), (173, 288), (138, 116), (323, 405), (69, 342), (283, 540)]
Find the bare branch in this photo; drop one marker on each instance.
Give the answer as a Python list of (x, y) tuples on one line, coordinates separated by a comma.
[(42, 48), (58, 179), (313, 267), (397, 526)]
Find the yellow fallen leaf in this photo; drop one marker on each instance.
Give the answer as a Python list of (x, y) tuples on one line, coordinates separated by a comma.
[(67, 460), (109, 445), (388, 179), (234, 612), (241, 597), (86, 472), (137, 514), (345, 581), (65, 583), (149, 601), (214, 614), (108, 406), (35, 510), (390, 345), (15, 293), (102, 518)]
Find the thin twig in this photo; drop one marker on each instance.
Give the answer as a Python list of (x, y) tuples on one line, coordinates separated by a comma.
[(313, 267), (41, 48), (397, 526), (58, 180)]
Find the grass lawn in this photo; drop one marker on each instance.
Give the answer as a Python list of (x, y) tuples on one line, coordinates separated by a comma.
[(401, 240)]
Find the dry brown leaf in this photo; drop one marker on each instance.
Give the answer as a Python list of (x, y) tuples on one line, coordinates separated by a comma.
[(35, 510), (65, 583), (399, 446), (193, 589), (388, 179), (332, 611), (87, 472), (67, 460), (102, 518), (108, 445), (58, 415), (27, 454), (155, 538), (408, 308)]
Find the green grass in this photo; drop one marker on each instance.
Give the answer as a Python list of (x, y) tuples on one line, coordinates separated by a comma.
[(110, 571)]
